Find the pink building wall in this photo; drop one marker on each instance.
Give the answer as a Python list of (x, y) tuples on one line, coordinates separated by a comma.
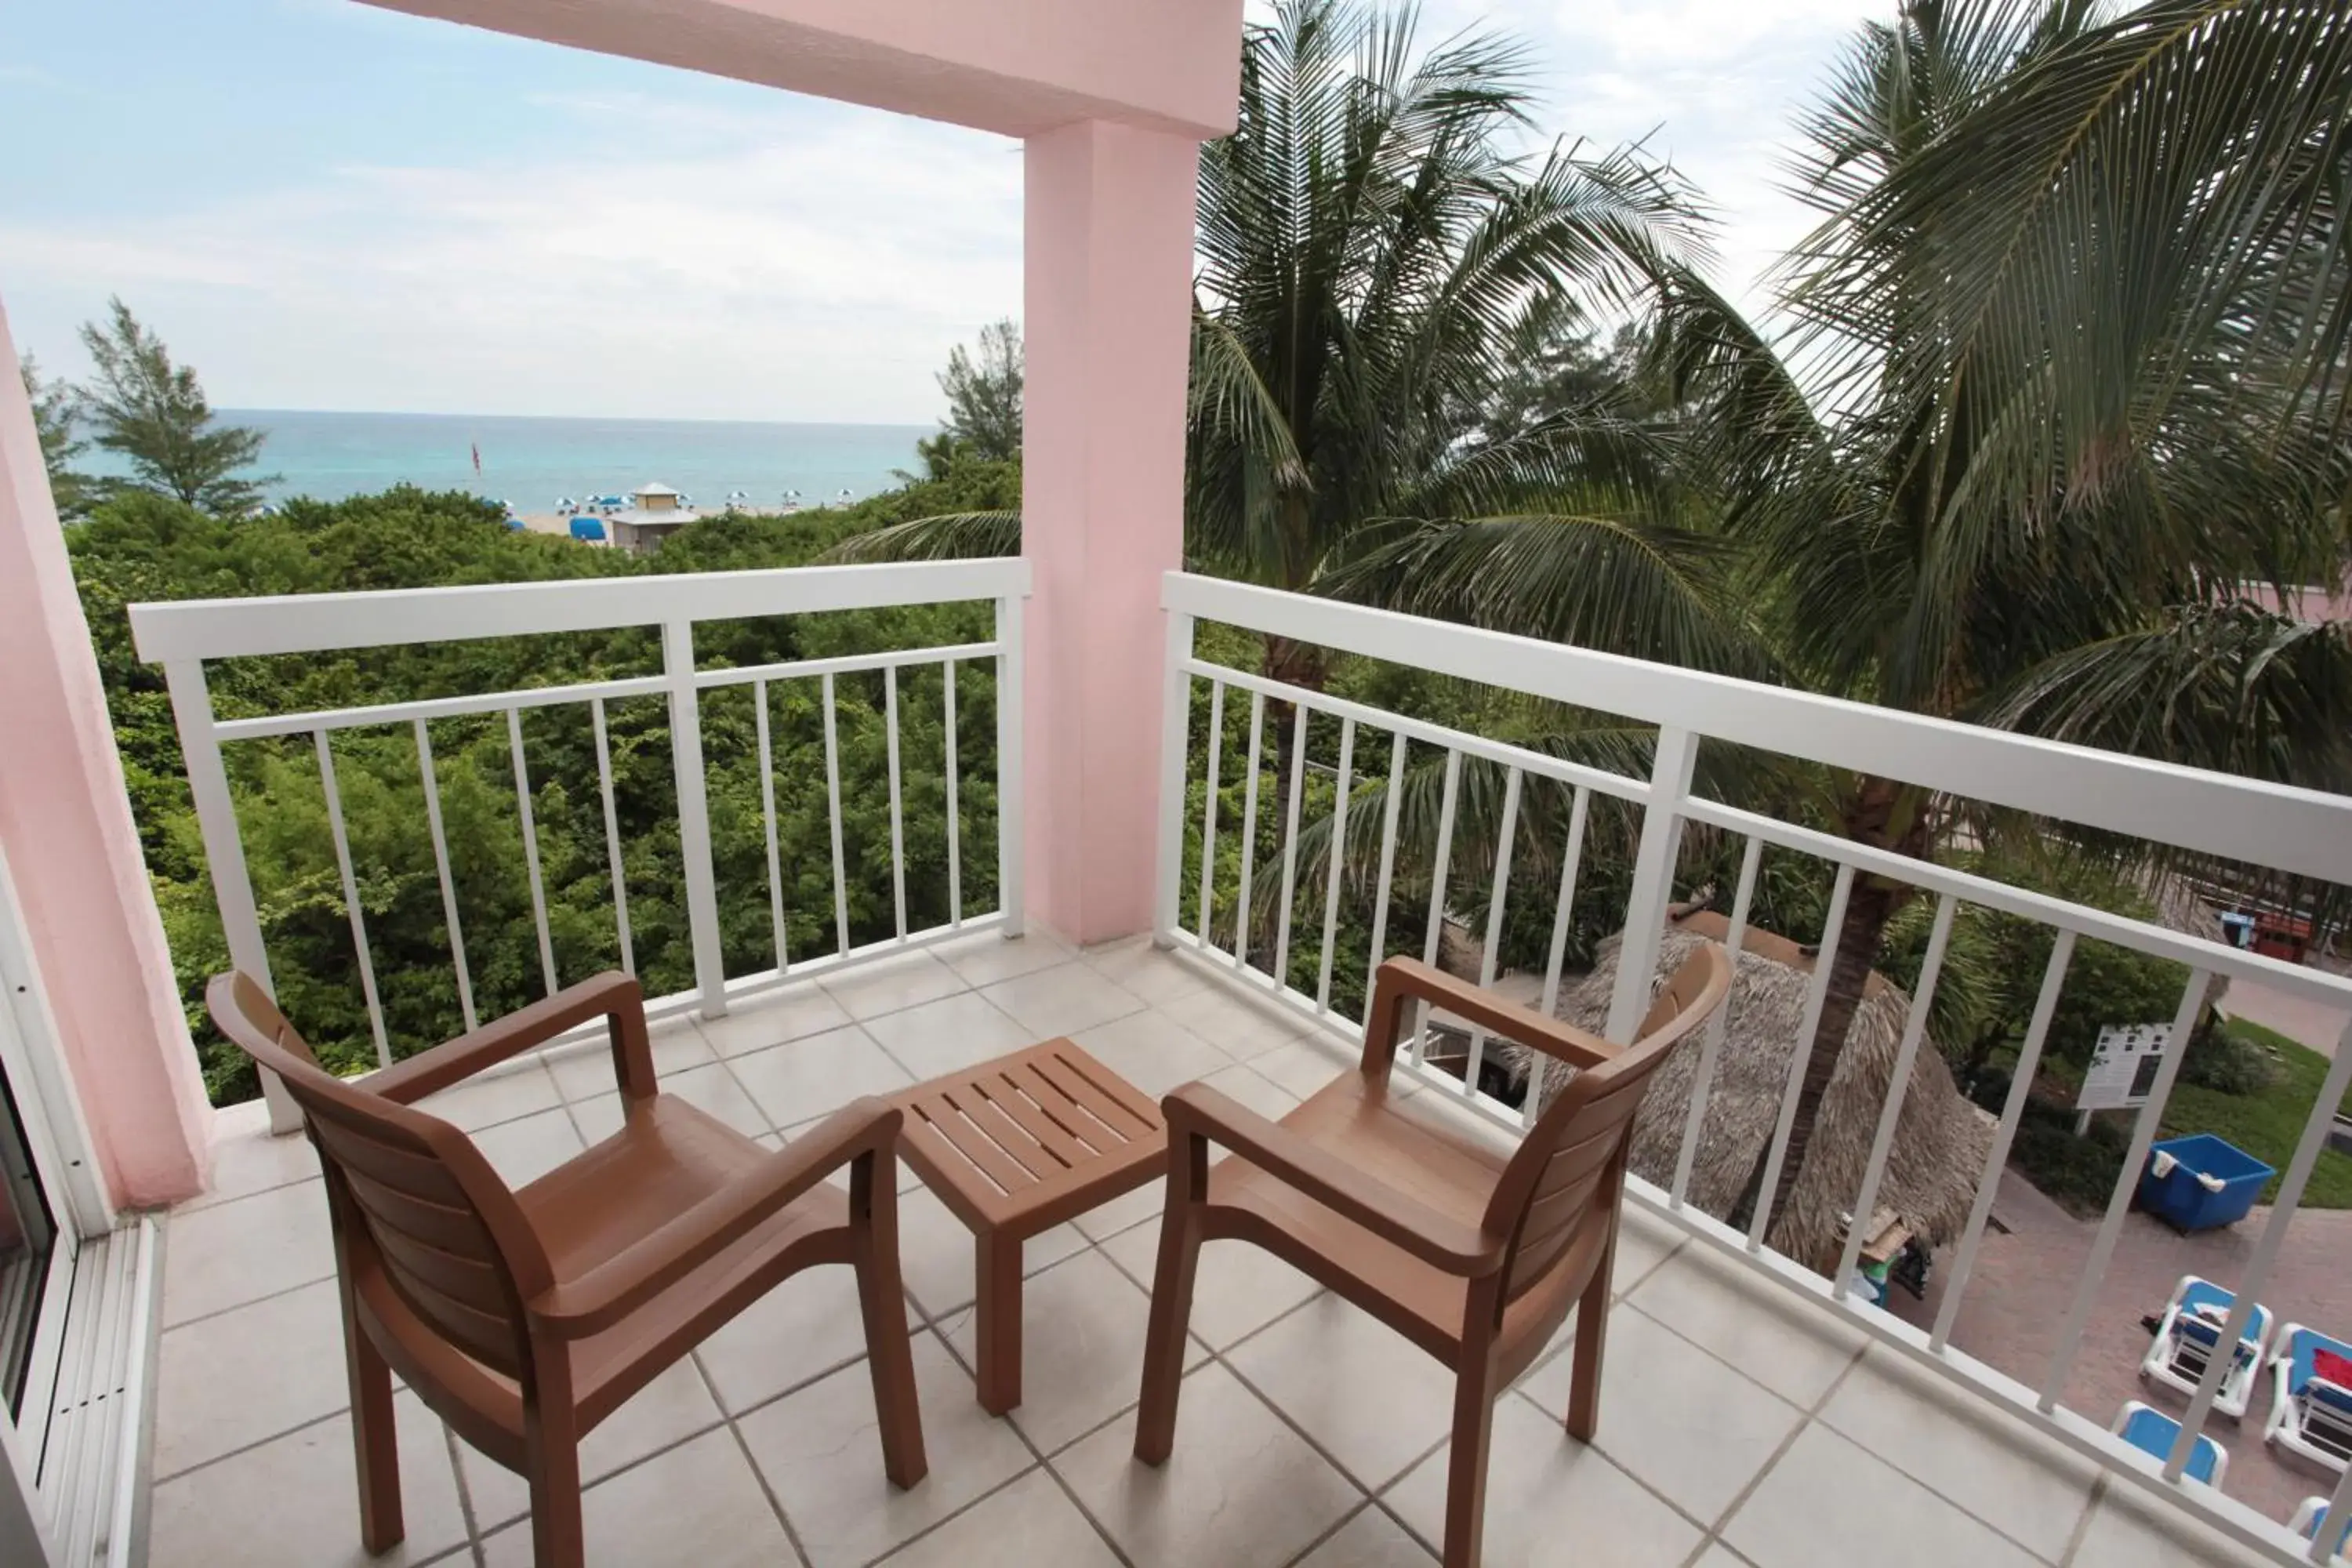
[(75, 854), (1107, 302)]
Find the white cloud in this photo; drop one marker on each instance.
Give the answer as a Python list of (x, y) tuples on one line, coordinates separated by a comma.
[(796, 266)]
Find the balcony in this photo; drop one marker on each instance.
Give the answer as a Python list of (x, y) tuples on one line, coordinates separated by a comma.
[(1741, 1422), (1751, 1413)]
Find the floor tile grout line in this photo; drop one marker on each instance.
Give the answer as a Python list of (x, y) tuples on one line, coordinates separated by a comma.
[(1781, 1451), (242, 1448), (1932, 1488), (2082, 1530), (728, 1420), (219, 1312)]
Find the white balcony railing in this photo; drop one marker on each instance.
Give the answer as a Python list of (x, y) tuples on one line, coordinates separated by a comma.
[(2263, 825), (183, 635)]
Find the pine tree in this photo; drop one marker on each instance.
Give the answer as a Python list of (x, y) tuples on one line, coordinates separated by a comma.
[(153, 412)]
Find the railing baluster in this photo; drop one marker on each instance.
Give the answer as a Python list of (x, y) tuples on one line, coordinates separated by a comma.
[(955, 811), (1711, 1045), (2256, 1275), (351, 896), (1175, 763), (448, 884), (531, 849), (833, 809), (1653, 881), (1494, 937), (1337, 855), (768, 816), (1571, 859), (1249, 828), (613, 838), (1208, 900), (897, 820), (2103, 1248), (2012, 1112), (2339, 1509), (694, 815), (1290, 846), (1824, 958), (1440, 863), (1388, 869), (192, 713), (1914, 1028), (1011, 823)]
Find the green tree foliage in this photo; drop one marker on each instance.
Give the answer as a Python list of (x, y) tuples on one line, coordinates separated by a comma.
[(140, 546), (983, 393), (55, 416), (153, 412)]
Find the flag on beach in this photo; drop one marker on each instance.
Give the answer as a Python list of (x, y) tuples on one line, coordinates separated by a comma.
[(478, 459)]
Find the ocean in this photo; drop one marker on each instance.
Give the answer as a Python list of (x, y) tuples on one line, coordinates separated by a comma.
[(532, 463)]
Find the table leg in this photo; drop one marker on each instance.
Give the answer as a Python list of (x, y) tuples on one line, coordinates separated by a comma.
[(997, 1320)]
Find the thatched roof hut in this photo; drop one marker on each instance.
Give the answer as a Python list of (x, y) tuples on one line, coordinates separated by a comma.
[(1940, 1143)]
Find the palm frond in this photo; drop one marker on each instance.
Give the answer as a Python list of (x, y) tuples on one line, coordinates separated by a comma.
[(950, 536)]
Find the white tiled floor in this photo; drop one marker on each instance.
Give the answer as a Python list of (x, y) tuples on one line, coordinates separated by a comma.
[(1738, 1430)]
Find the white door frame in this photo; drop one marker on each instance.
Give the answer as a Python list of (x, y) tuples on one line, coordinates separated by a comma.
[(65, 1166)]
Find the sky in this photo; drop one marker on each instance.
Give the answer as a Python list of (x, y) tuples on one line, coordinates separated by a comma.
[(320, 204)]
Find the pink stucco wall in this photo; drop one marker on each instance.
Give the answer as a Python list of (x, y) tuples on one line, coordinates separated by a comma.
[(1107, 301), (1016, 66), (75, 853)]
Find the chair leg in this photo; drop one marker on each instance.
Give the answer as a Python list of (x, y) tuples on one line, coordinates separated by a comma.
[(1466, 1475), (996, 1320), (882, 1301), (1163, 1340), (557, 1540), (376, 1441), (1590, 1351)]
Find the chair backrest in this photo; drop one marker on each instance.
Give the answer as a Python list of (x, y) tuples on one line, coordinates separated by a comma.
[(1562, 1177), (411, 1195)]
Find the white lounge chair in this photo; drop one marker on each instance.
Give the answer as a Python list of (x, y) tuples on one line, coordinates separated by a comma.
[(2185, 1339), (2153, 1433), (2306, 1523), (2311, 1415)]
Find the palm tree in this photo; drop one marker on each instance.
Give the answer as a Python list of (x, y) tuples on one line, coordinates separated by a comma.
[(2067, 369), (1378, 265)]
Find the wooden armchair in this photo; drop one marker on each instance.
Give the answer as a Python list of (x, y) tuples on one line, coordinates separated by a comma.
[(1472, 1256), (525, 1317)]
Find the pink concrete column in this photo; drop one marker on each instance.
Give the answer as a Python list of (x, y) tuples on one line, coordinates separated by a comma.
[(1108, 324), (75, 853)]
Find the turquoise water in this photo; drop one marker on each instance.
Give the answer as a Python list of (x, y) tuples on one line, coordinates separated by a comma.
[(531, 462)]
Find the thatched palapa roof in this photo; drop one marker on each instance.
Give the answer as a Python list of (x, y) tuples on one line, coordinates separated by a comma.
[(1941, 1141)]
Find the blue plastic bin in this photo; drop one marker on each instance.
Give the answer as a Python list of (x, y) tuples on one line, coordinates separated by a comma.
[(2180, 1200)]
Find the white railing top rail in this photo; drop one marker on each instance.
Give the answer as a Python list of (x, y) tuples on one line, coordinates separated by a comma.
[(310, 623), (2285, 828)]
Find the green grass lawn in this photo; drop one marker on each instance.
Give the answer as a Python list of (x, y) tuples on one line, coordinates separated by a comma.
[(2267, 1122)]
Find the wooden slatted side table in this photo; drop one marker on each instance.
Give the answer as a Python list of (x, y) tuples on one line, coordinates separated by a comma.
[(1017, 1145)]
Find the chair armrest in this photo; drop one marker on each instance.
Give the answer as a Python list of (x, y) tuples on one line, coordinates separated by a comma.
[(592, 1302), (1405, 1221), (1553, 1036), (612, 994)]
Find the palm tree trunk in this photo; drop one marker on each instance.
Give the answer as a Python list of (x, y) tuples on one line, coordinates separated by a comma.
[(1875, 816)]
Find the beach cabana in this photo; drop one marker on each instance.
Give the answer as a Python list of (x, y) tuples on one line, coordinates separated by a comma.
[(1941, 1139)]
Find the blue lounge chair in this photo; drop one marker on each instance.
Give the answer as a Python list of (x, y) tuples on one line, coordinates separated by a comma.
[(2310, 1518), (2152, 1432), (2311, 1415), (2186, 1337)]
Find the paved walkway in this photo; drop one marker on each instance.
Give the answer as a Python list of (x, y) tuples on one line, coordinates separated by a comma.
[(2024, 1285)]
